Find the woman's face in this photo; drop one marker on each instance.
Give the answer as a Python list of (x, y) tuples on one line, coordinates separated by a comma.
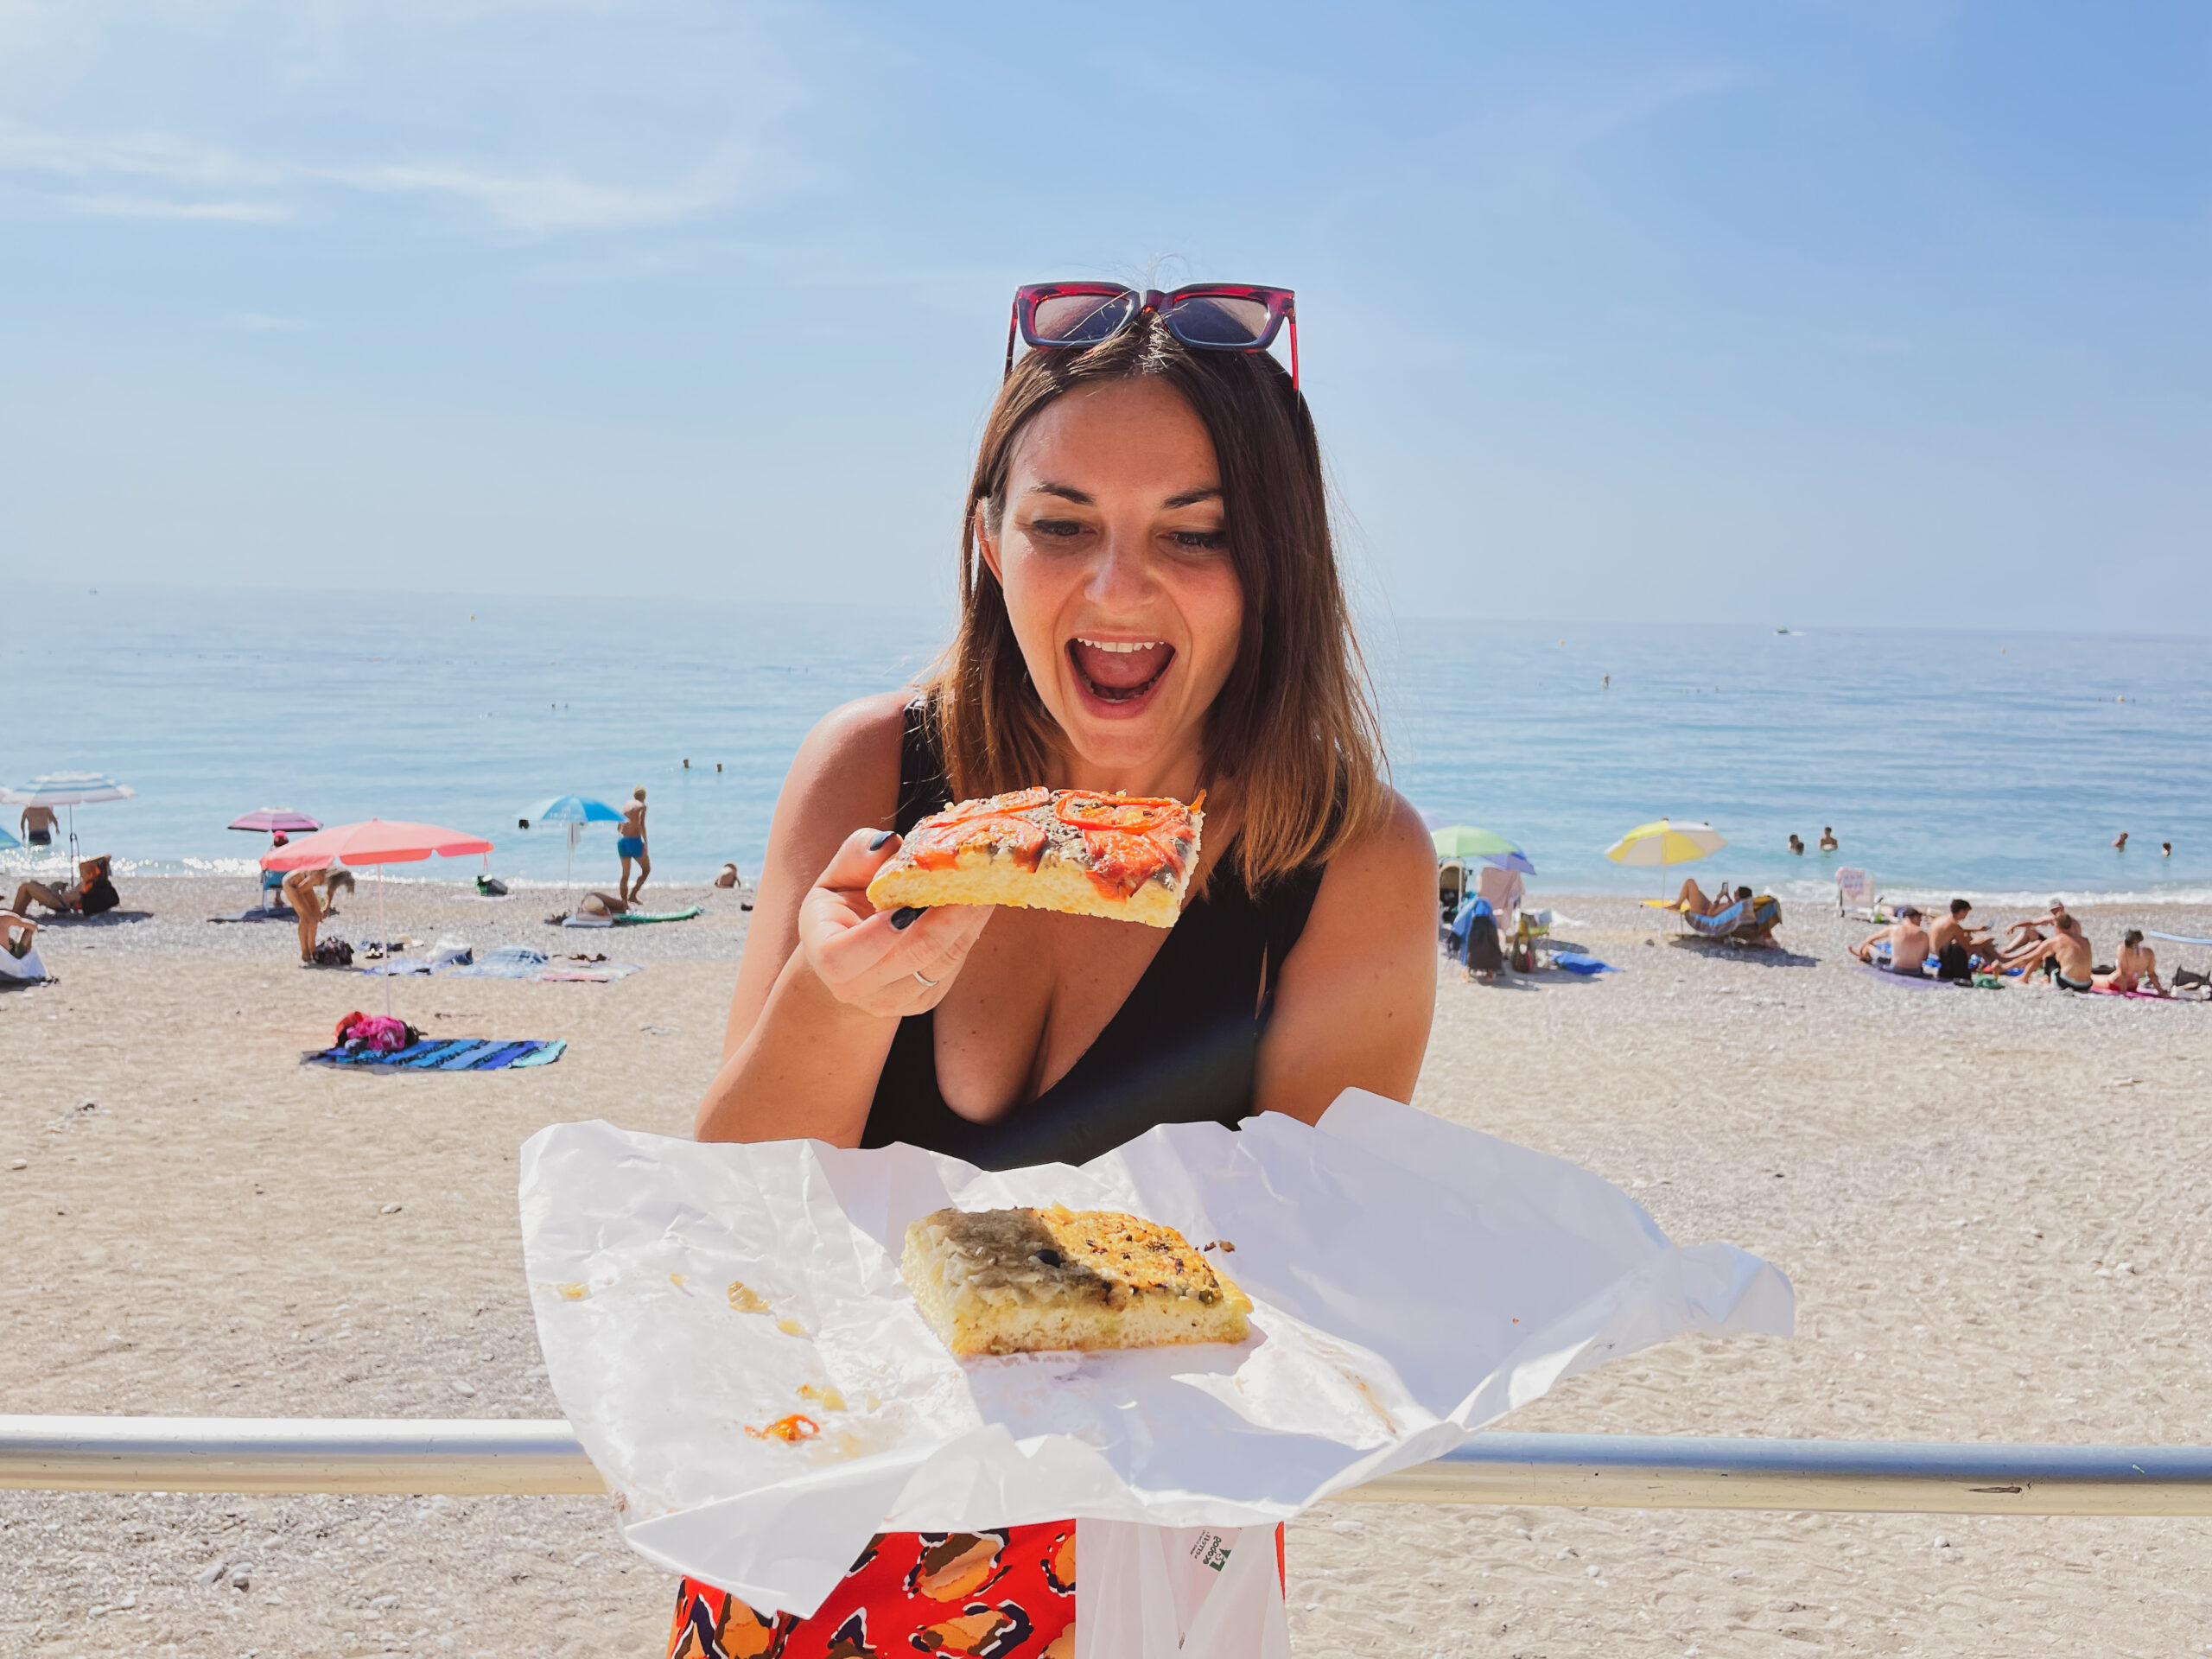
[(1118, 575)]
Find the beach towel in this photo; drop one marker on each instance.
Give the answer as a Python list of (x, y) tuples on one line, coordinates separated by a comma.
[(262, 913), (2174, 939), (25, 969), (452, 1054), (522, 962), (1575, 962)]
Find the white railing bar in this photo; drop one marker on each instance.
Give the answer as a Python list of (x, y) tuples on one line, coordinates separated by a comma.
[(477, 1456)]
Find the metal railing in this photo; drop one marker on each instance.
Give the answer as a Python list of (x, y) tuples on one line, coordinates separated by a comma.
[(476, 1456)]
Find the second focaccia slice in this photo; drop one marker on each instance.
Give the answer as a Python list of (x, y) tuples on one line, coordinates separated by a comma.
[(1019, 1281), (1067, 849)]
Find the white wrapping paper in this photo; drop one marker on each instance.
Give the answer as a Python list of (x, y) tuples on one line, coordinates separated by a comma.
[(1411, 1279)]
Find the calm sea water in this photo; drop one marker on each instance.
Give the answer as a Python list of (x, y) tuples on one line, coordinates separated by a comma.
[(1992, 766)]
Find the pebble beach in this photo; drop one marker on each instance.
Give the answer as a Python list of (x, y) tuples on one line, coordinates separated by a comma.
[(1990, 1202)]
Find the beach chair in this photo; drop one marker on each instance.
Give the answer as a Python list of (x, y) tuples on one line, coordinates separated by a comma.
[(1854, 893), (1748, 921)]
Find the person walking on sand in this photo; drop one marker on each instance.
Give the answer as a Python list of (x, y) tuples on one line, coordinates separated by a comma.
[(309, 907), (630, 845), (1908, 942)]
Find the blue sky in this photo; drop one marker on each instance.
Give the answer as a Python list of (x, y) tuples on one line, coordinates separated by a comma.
[(1773, 313)]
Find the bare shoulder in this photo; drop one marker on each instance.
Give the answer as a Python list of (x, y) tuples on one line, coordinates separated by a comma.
[(848, 765), (1393, 856)]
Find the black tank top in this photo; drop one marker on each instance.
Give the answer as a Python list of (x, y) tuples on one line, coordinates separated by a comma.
[(1179, 1050)]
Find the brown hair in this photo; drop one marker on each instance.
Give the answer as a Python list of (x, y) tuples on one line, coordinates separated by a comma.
[(1295, 724)]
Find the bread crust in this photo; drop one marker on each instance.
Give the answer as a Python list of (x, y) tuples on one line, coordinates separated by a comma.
[(1024, 1281), (1069, 850)]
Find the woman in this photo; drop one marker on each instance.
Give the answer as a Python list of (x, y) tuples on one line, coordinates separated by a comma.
[(309, 908), (630, 845), (1150, 603)]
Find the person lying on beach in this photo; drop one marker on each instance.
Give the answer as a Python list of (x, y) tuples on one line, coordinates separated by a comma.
[(1908, 942), (1955, 941), (17, 933), (90, 894), (602, 904), (2135, 969), (2066, 950), (309, 906), (1692, 898)]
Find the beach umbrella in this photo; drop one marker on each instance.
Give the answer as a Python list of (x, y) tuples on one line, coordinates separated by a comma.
[(268, 820), (8, 842), (378, 842), (1665, 842), (70, 790), (274, 821), (575, 811), (1463, 840)]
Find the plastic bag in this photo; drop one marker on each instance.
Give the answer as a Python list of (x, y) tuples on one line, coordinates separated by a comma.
[(1179, 1593)]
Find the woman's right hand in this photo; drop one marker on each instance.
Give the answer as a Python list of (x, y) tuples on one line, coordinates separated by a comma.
[(876, 961)]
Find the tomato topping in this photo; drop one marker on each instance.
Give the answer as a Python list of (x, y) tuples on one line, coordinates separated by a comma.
[(788, 1429), (939, 846), (1089, 812), (1122, 861), (1018, 800)]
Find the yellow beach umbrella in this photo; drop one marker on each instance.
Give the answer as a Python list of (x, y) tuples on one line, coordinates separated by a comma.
[(1665, 843)]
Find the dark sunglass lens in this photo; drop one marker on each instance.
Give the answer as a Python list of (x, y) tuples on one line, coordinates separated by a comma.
[(1215, 319), (1081, 319)]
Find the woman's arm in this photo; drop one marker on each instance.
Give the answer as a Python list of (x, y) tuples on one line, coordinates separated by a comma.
[(825, 979), (1357, 991)]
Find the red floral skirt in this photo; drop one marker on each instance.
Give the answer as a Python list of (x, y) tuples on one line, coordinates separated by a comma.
[(1007, 1594)]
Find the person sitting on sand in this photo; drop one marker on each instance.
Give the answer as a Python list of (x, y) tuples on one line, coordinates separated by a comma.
[(1955, 941), (728, 877), (2066, 950), (308, 907), (2023, 937), (630, 845), (2135, 969), (1828, 842), (90, 894), (1908, 942)]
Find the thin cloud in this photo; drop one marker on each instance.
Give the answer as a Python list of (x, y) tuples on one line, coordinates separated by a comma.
[(262, 322), (233, 212), (536, 203)]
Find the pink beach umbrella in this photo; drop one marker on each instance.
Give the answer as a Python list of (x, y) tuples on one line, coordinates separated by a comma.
[(378, 842), (276, 821)]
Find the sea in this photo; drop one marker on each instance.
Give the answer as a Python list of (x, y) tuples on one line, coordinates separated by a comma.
[(1997, 767)]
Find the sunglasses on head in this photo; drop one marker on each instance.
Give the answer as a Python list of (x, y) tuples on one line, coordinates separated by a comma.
[(1209, 316)]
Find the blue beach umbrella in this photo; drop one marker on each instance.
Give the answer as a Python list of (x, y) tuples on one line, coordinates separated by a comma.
[(8, 842), (576, 811)]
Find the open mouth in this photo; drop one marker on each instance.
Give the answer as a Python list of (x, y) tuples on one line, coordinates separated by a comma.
[(1119, 670)]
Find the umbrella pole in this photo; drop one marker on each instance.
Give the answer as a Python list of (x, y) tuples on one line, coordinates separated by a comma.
[(384, 941)]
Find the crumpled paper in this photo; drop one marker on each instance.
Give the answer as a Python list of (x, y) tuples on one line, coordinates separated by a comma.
[(1411, 1280)]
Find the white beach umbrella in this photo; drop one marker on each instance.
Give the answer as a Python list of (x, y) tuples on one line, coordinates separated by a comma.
[(70, 790)]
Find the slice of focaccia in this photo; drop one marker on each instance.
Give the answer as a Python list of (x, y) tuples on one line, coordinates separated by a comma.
[(1068, 850), (1019, 1281)]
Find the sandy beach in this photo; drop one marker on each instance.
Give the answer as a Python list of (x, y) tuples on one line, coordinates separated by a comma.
[(1991, 1204)]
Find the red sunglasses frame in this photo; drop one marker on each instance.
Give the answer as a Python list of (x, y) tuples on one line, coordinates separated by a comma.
[(1282, 303)]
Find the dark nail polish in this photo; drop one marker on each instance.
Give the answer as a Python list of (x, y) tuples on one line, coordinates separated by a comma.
[(905, 917), (881, 840)]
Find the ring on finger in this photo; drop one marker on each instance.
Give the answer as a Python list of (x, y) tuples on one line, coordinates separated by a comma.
[(925, 979)]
